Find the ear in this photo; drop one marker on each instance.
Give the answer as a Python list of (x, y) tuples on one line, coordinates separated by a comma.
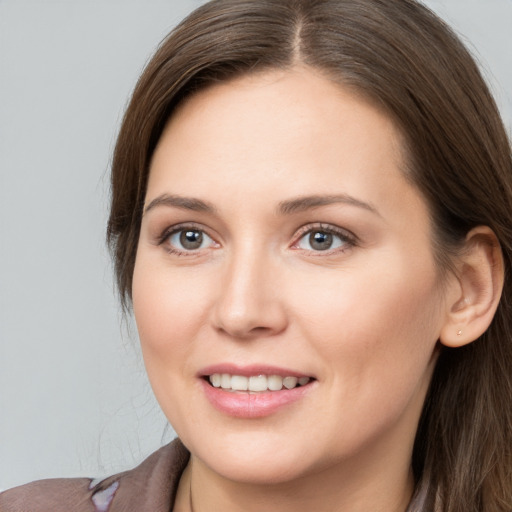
[(476, 290)]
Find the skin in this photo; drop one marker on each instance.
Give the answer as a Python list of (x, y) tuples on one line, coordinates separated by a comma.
[(362, 318)]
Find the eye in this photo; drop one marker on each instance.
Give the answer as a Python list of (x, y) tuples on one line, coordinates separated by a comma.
[(322, 239), (188, 239)]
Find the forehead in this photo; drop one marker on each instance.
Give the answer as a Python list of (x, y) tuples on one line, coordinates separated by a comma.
[(276, 135)]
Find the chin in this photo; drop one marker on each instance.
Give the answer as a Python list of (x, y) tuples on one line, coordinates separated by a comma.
[(256, 471), (259, 461)]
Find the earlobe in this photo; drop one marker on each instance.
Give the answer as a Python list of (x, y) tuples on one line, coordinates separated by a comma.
[(476, 291)]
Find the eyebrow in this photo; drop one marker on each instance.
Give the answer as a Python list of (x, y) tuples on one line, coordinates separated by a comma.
[(308, 202), (185, 203), (287, 207)]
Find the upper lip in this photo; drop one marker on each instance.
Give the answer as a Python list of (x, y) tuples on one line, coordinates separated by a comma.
[(251, 370)]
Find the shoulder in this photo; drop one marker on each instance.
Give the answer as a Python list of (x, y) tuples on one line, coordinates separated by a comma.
[(151, 486)]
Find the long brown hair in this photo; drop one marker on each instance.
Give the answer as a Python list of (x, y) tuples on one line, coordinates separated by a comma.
[(400, 55)]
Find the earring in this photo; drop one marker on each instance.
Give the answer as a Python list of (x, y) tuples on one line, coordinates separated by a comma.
[(459, 333)]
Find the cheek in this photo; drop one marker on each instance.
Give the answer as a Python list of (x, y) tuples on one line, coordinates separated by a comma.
[(169, 308), (377, 343), (169, 311), (372, 328)]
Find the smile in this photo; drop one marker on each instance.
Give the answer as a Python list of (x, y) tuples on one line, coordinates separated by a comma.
[(256, 383)]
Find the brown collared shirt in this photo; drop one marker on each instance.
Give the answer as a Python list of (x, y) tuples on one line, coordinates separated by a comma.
[(150, 487)]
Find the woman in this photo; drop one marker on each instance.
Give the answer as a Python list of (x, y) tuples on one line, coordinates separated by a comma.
[(310, 216)]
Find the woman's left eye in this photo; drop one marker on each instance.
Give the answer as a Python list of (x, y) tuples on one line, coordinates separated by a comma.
[(323, 240), (189, 239)]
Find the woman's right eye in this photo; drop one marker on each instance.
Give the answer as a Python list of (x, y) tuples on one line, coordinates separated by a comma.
[(187, 240)]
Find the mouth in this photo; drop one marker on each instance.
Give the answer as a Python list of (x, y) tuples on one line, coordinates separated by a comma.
[(254, 391), (256, 383)]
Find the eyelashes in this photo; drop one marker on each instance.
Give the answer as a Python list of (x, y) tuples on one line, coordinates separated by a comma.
[(186, 240), (322, 238), (190, 239), (318, 239)]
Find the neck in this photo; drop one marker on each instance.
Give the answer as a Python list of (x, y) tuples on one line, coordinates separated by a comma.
[(347, 489)]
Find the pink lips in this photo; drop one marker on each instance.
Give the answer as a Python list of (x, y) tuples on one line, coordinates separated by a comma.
[(245, 404), (248, 370)]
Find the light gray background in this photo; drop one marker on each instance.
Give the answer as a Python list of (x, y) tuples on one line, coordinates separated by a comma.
[(73, 396)]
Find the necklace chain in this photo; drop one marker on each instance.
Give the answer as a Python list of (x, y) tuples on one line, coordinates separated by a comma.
[(190, 504)]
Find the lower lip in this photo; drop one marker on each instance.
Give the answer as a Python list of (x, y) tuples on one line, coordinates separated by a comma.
[(243, 404)]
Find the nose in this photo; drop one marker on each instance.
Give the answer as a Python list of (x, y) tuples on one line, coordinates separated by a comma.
[(249, 303)]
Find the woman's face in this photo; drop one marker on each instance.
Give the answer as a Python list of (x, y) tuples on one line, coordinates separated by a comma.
[(281, 245)]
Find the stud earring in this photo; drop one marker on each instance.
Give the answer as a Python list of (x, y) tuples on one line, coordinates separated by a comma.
[(459, 333)]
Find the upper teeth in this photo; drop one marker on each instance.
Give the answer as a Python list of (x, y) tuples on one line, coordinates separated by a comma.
[(255, 383)]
